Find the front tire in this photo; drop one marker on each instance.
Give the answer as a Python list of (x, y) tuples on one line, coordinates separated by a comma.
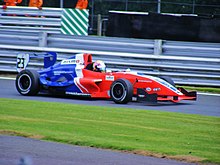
[(27, 82), (168, 79), (121, 91)]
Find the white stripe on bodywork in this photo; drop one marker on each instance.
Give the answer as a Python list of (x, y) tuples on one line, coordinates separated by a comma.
[(77, 82), (79, 73), (160, 81), (80, 65), (166, 84)]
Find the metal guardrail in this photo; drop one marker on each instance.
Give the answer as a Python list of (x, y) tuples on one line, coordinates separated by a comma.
[(187, 63), (30, 19)]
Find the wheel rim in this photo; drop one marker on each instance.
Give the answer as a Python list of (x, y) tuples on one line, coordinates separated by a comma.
[(118, 91), (24, 82)]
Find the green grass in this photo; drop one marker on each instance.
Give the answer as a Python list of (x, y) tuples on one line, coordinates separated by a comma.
[(202, 89), (142, 131)]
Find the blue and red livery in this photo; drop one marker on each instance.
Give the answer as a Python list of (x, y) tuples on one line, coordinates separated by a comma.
[(71, 77)]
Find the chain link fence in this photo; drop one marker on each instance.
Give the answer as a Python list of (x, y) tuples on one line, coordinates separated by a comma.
[(208, 8)]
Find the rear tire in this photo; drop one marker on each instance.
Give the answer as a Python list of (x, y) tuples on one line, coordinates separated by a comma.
[(121, 91), (27, 82)]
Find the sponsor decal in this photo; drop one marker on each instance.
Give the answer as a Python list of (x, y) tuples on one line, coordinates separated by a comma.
[(148, 89), (110, 78), (77, 94), (156, 89), (141, 96), (62, 72), (145, 81), (69, 61)]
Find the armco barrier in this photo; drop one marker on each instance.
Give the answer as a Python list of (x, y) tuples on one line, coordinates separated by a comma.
[(30, 19), (53, 20), (187, 63)]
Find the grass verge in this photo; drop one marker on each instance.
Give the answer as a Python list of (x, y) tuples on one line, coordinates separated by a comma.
[(202, 89), (185, 137)]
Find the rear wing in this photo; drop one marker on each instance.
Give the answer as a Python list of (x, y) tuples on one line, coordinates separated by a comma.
[(23, 59)]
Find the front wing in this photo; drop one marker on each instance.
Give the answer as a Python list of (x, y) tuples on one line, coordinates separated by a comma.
[(142, 95)]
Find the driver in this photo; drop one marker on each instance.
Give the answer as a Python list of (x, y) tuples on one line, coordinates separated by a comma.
[(97, 66)]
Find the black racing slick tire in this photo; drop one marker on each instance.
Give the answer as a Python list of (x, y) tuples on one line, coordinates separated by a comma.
[(27, 82), (168, 79), (121, 91)]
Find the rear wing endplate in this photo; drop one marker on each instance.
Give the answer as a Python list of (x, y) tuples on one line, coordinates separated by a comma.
[(23, 59)]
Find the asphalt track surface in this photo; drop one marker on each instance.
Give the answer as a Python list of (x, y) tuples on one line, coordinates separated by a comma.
[(205, 105), (36, 152)]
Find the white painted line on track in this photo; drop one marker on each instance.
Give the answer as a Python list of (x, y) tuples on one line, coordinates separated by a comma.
[(200, 93), (209, 94), (7, 78)]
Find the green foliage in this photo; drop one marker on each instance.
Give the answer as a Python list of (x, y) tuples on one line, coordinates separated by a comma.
[(170, 134)]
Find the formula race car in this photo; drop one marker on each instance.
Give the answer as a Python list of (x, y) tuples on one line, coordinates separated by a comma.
[(72, 77)]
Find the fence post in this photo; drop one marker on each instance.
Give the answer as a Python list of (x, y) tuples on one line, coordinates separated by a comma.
[(99, 24), (159, 6), (158, 47), (42, 39)]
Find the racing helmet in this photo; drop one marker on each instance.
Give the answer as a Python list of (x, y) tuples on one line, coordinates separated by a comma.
[(99, 66)]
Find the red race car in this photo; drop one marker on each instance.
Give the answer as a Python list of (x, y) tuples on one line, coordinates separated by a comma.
[(79, 75)]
